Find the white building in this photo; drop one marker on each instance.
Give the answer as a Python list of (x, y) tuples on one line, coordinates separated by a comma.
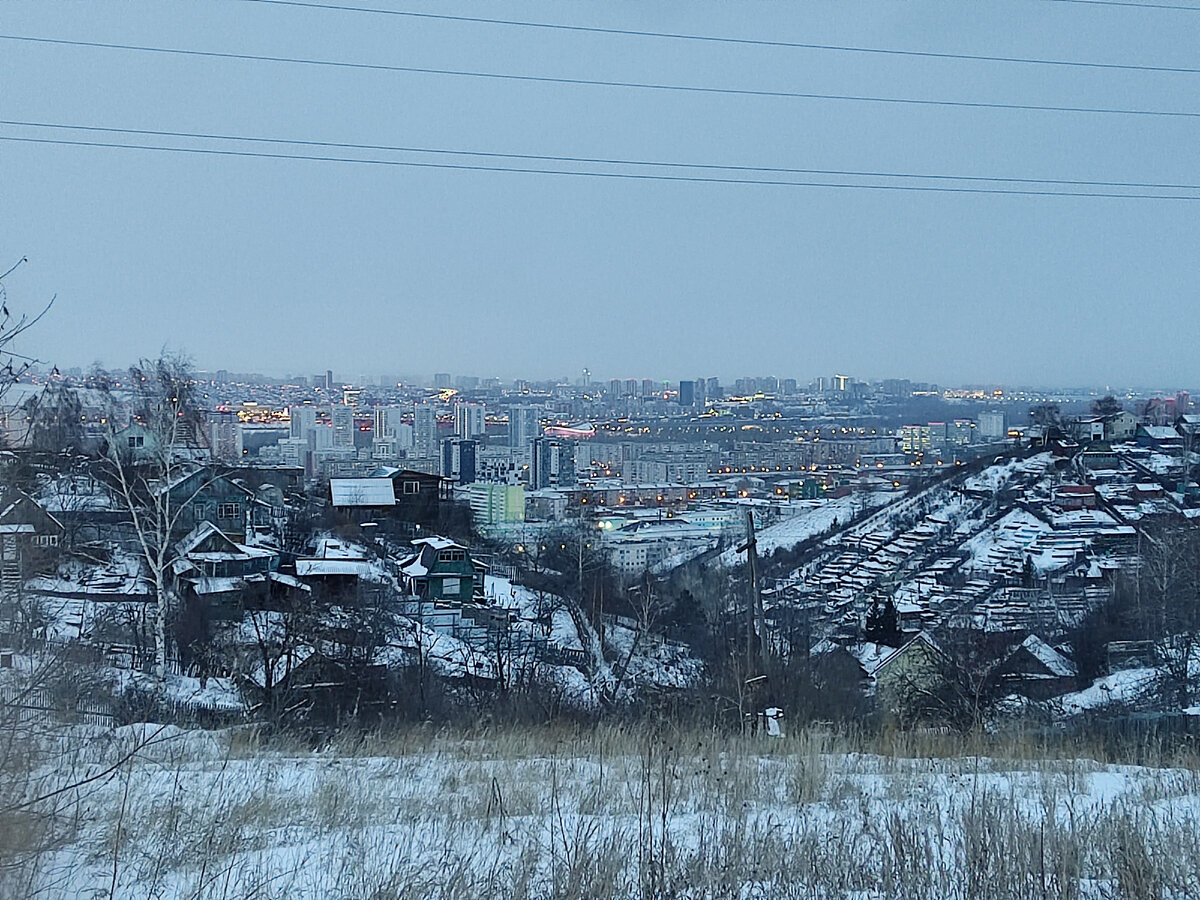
[(304, 420), (425, 431), (523, 428), (470, 419)]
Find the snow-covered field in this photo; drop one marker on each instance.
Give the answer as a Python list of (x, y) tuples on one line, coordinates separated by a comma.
[(619, 812)]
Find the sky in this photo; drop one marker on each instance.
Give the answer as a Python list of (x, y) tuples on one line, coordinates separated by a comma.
[(296, 266)]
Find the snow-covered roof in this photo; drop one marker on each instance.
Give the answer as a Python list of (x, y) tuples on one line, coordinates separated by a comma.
[(288, 580), (222, 585), (320, 567), (329, 548), (362, 492), (1049, 657), (437, 543), (1160, 432)]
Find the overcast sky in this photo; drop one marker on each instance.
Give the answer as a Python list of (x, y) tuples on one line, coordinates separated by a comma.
[(297, 266)]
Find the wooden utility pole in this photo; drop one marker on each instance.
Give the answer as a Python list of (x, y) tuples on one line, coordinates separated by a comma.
[(755, 624)]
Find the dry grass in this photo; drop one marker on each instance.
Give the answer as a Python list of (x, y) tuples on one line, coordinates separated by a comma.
[(616, 811)]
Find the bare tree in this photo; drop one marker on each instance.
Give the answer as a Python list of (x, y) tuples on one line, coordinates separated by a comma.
[(13, 364), (146, 462)]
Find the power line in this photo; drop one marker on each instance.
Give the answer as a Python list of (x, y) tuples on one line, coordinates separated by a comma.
[(756, 42), (595, 160), (547, 79), (636, 176), (1128, 3)]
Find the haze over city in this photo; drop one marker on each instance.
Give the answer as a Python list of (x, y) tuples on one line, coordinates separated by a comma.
[(280, 265)]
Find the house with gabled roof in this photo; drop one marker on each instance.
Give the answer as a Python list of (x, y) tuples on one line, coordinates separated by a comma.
[(441, 569), (228, 576), (204, 495), (892, 675), (28, 536), (1036, 670)]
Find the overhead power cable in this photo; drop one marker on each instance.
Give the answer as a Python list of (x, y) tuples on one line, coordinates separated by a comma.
[(755, 42), (575, 173), (597, 160), (641, 85), (1128, 3)]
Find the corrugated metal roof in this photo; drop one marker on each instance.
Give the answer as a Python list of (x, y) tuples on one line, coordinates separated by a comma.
[(362, 492)]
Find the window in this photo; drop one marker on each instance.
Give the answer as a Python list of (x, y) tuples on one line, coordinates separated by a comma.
[(228, 510), (452, 556), (451, 587), (412, 487), (45, 540), (136, 441)]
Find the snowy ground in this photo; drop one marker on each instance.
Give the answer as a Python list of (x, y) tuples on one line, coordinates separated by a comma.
[(615, 813), (799, 528)]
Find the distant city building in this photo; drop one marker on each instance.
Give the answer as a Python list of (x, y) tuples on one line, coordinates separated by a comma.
[(993, 425), (441, 380), (916, 438), (425, 430), (458, 460), (497, 504), (225, 438), (303, 422), (649, 388), (687, 393), (342, 418), (553, 463), (523, 428), (386, 419), (470, 419), (501, 465)]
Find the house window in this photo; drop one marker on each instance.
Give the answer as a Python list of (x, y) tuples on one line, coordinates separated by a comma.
[(136, 441), (412, 487), (452, 556), (45, 540), (451, 587), (228, 510)]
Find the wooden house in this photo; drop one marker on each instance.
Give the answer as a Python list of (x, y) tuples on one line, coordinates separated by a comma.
[(442, 570)]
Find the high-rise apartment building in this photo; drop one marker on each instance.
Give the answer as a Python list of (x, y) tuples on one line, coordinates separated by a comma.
[(523, 428), (553, 463), (470, 419), (303, 421), (342, 418), (458, 460), (425, 430)]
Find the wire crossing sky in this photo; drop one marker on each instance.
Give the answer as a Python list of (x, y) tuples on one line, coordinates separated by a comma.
[(930, 190)]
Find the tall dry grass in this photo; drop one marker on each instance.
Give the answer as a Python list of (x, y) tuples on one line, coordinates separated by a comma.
[(626, 811)]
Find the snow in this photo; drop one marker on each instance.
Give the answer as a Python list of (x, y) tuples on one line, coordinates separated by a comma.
[(746, 819), (1118, 688), (824, 517)]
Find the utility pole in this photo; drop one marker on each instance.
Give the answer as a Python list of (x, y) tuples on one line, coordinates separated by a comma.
[(755, 624)]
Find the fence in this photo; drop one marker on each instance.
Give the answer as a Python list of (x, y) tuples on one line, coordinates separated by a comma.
[(38, 705)]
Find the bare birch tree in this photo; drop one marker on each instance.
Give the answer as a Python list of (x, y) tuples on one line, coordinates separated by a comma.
[(146, 462)]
